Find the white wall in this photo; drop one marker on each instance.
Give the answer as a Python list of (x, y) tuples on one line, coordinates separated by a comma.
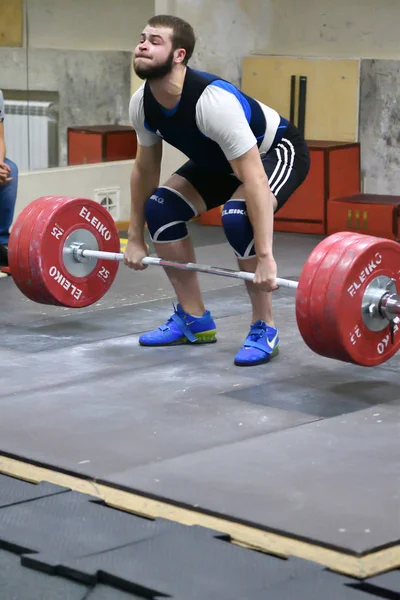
[(229, 29), (87, 24), (226, 29), (340, 28), (75, 181), (82, 180)]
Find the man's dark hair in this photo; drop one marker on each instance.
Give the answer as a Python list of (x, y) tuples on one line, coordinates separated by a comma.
[(182, 33)]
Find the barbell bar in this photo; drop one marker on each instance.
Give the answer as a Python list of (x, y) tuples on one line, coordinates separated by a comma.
[(66, 251), (382, 303), (79, 252)]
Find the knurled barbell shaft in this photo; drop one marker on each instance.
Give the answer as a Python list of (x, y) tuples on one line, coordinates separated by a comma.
[(149, 260)]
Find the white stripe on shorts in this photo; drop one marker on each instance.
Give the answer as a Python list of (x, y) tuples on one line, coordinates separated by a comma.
[(284, 167)]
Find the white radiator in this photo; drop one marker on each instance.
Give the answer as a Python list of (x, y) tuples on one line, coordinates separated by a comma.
[(31, 134)]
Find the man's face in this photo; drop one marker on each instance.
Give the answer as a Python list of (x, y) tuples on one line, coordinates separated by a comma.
[(154, 56)]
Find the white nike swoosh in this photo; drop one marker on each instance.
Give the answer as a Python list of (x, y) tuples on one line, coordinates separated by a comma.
[(271, 343)]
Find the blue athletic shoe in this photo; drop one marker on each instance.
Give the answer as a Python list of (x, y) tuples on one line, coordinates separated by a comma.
[(182, 328), (262, 343)]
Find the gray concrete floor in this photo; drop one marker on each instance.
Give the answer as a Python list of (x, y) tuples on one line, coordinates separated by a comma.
[(306, 446)]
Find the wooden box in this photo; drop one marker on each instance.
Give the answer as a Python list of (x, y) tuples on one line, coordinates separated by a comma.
[(370, 214), (100, 143), (334, 171)]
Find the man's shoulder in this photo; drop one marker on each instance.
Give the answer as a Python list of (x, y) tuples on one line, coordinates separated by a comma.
[(217, 86), (210, 78), (220, 93), (137, 95), (203, 74), (136, 103)]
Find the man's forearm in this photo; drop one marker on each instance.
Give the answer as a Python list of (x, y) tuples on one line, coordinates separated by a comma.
[(260, 210), (142, 185)]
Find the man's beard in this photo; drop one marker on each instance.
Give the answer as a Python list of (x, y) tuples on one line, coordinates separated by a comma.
[(152, 72)]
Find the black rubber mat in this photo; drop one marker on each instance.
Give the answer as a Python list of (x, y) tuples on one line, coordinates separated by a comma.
[(324, 398), (18, 583), (387, 582), (70, 546), (70, 525), (326, 586), (14, 491), (105, 592), (189, 563), (321, 482)]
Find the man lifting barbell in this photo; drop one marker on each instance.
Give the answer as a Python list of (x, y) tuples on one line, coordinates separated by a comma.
[(65, 251), (242, 154)]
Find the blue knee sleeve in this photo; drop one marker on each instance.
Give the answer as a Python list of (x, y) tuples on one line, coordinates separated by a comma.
[(167, 212), (238, 229)]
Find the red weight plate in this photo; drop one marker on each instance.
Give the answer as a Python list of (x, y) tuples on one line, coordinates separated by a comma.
[(328, 330), (61, 218), (19, 253), (46, 205), (26, 284), (360, 264), (15, 237), (324, 343), (32, 289), (26, 248), (304, 289)]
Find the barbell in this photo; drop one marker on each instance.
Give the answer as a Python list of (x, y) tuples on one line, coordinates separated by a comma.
[(65, 251)]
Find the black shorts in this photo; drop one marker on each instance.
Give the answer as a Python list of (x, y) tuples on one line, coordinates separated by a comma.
[(286, 167)]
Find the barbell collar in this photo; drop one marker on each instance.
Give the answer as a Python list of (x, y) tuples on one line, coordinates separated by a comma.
[(390, 306), (76, 248)]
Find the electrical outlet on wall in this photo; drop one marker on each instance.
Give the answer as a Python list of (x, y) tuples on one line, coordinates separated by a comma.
[(110, 199)]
